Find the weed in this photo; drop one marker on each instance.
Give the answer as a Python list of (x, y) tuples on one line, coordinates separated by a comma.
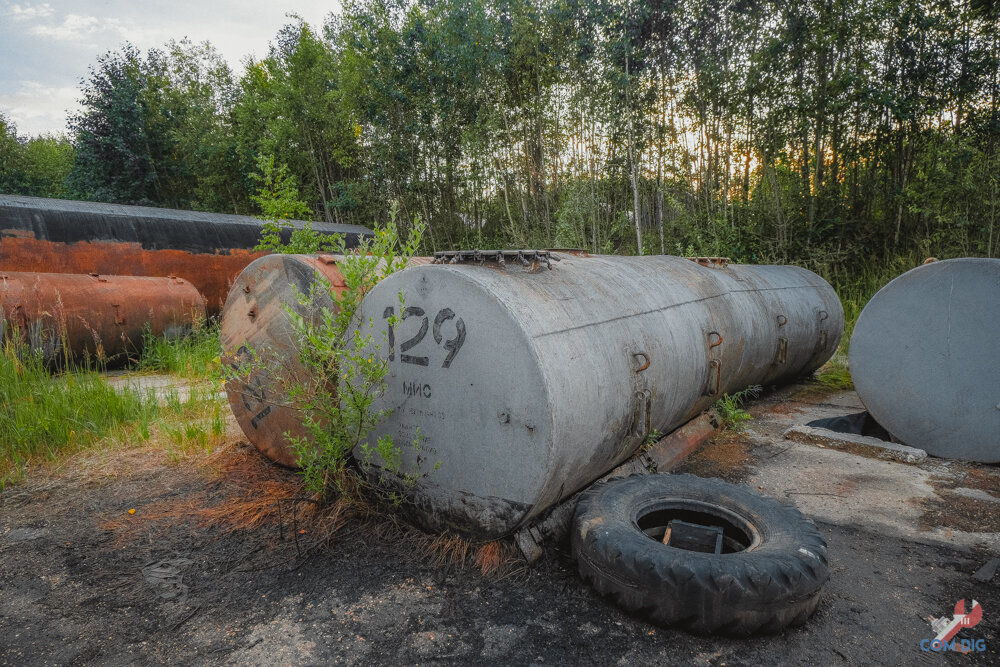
[(43, 414), (344, 371), (835, 374), (194, 355), (347, 372), (730, 408), (651, 439)]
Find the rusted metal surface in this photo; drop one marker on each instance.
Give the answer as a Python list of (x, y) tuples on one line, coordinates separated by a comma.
[(530, 258), (670, 451), (207, 249), (259, 343), (925, 358), (94, 316), (531, 388), (713, 262)]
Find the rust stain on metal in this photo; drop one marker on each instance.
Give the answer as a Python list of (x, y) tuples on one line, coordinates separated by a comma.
[(93, 315), (645, 363), (782, 354), (711, 262), (671, 450), (211, 274)]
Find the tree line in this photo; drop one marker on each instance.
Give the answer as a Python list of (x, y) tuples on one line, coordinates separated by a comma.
[(830, 133)]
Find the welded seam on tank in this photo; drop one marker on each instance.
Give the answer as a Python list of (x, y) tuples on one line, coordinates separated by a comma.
[(673, 305)]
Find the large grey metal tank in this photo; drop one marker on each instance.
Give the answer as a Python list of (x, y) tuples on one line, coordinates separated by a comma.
[(527, 383), (925, 358)]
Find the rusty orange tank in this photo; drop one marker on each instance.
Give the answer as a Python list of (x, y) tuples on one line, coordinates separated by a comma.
[(207, 249), (257, 336), (102, 318)]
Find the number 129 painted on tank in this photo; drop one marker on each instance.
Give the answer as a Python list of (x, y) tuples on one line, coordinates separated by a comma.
[(453, 345)]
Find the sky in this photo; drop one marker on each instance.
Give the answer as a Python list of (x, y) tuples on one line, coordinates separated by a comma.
[(47, 47)]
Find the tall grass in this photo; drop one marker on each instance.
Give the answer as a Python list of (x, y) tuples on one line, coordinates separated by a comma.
[(42, 415), (195, 355), (855, 292), (45, 413)]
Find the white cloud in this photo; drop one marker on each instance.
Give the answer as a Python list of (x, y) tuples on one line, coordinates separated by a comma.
[(53, 43), (27, 12), (75, 27), (37, 109)]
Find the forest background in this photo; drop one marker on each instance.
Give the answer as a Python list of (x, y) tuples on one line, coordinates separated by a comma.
[(839, 135)]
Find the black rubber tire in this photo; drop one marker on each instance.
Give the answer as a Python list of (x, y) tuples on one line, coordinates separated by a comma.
[(773, 583)]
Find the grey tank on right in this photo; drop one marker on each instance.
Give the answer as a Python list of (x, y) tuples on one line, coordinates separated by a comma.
[(925, 358), (525, 383)]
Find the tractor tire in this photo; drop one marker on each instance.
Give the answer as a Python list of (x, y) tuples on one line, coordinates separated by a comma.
[(769, 575)]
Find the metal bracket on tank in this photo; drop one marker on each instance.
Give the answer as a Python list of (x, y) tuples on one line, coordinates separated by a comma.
[(821, 316), (714, 383), (501, 257), (781, 352)]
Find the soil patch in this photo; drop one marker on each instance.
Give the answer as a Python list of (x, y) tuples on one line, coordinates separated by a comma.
[(726, 456)]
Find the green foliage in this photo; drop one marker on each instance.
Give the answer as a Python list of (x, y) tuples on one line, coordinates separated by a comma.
[(834, 135), (47, 163), (278, 199), (835, 373), (12, 176), (42, 415), (195, 427), (193, 355), (654, 437), (193, 142), (155, 130), (292, 107), (113, 161), (730, 408), (345, 374)]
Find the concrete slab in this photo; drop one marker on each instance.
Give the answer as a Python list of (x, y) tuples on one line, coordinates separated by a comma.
[(847, 488), (162, 385), (811, 435)]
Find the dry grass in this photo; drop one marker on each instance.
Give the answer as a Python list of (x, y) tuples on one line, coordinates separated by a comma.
[(496, 557), (238, 489), (244, 491), (492, 559)]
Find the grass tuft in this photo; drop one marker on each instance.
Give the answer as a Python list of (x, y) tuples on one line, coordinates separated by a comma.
[(730, 408), (43, 415), (195, 355), (835, 374)]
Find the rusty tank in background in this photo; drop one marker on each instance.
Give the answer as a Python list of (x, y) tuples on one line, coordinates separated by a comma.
[(257, 335), (207, 249), (68, 317), (925, 358), (527, 375)]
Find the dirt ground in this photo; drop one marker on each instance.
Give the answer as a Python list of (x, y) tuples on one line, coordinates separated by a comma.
[(83, 581)]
